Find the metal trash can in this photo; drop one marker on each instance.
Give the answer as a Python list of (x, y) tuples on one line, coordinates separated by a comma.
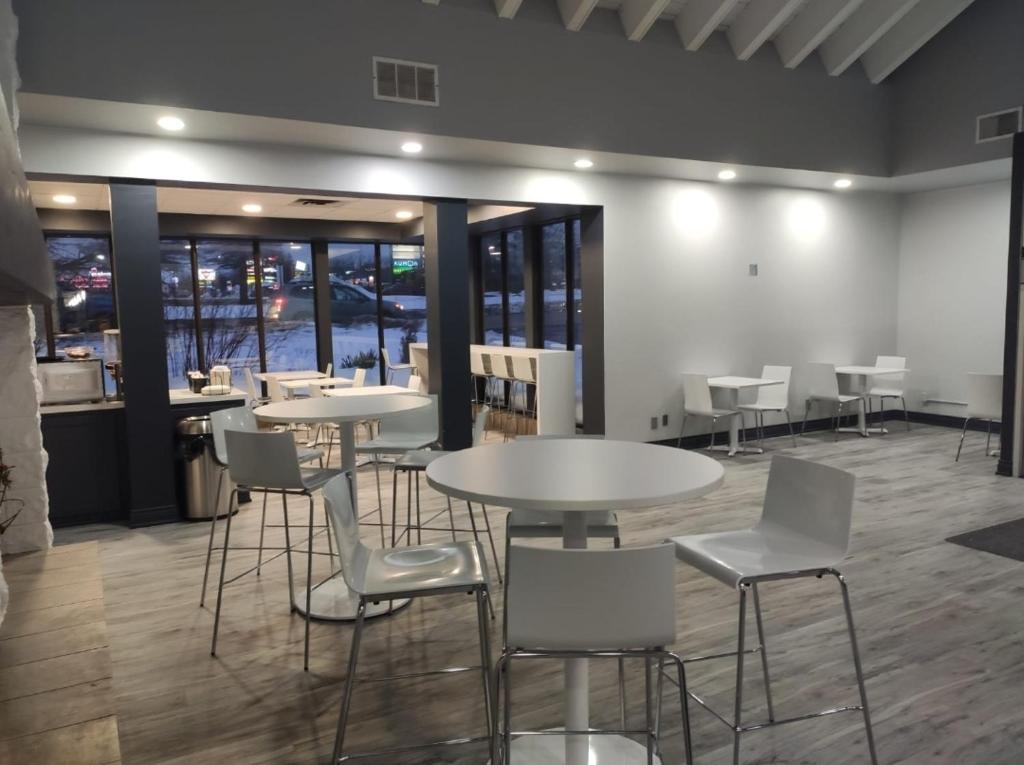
[(195, 448)]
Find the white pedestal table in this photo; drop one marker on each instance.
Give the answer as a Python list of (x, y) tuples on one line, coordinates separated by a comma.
[(732, 385), (332, 600), (574, 476), (859, 377)]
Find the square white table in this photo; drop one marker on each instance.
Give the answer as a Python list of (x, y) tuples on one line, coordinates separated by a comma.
[(300, 374), (858, 383), (733, 385), (302, 383)]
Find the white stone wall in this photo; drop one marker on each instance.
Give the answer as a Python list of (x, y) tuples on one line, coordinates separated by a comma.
[(21, 437)]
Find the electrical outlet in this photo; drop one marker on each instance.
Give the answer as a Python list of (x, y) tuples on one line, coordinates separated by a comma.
[(752, 269), (654, 423), (664, 420)]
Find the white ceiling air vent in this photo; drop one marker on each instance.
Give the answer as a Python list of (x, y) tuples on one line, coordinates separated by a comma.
[(315, 202), (992, 127), (407, 82)]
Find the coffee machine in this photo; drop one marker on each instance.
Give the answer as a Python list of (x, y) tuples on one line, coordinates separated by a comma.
[(112, 361)]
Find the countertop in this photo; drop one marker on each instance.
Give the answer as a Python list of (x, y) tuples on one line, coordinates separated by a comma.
[(178, 398)]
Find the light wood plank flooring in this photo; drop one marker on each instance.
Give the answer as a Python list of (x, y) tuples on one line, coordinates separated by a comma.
[(940, 628)]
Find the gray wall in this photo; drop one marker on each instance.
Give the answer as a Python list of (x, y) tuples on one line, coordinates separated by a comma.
[(974, 66), (526, 81)]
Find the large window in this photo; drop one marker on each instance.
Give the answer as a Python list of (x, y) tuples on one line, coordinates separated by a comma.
[(576, 306), (288, 305), (515, 295), (85, 306), (177, 283), (355, 332), (493, 304), (228, 303), (553, 275), (404, 287)]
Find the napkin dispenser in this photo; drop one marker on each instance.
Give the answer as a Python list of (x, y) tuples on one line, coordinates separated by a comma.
[(220, 377)]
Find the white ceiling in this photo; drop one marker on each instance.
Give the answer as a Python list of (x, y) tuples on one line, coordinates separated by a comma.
[(94, 196), (881, 34)]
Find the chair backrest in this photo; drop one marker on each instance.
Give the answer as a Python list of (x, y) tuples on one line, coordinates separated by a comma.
[(359, 377), (415, 383), (387, 356), (480, 424), (985, 397), (522, 369), (501, 366), (354, 554), (263, 459), (329, 369), (421, 423), (274, 389), (697, 394), (775, 396), (809, 500), (488, 364), (235, 418), (250, 386), (316, 391), (891, 381), (476, 364), (621, 598), (822, 382)]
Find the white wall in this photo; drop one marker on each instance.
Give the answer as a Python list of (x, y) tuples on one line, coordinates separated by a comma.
[(952, 289), (677, 294)]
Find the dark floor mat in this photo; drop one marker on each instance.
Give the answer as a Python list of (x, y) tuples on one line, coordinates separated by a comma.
[(1006, 539)]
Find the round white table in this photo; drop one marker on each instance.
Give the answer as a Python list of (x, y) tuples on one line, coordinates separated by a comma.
[(572, 476), (332, 600)]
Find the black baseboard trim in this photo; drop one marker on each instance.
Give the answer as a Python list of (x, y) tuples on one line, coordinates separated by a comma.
[(153, 516)]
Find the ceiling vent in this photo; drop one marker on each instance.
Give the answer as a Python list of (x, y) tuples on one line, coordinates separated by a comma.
[(407, 82), (315, 202), (992, 127)]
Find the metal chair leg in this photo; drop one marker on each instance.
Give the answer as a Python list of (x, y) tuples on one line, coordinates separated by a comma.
[(485, 652), (988, 437), (906, 415), (380, 501), (288, 551), (714, 421), (490, 537), (209, 544), (807, 411), (857, 666), (790, 423), (648, 716), (839, 422), (684, 704), (350, 681), (682, 429), (622, 693), (763, 650), (739, 675), (394, 505), (963, 433), (309, 584), (263, 528), (223, 567)]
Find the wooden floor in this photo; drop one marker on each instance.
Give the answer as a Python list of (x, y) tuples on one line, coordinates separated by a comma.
[(56, 698), (941, 629)]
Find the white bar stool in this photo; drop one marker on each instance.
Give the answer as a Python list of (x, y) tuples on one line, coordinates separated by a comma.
[(525, 377), (804, 532)]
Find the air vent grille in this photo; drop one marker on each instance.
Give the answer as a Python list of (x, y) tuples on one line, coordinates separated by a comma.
[(407, 82), (992, 127), (315, 202)]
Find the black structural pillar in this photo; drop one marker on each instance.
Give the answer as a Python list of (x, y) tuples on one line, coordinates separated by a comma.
[(322, 304), (1011, 347), (446, 252), (149, 435), (533, 286), (592, 331)]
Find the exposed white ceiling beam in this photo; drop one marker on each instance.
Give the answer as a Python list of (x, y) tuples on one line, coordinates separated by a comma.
[(862, 30), (810, 28), (699, 18), (507, 9), (575, 12), (638, 16), (913, 30), (756, 23), (432, 2)]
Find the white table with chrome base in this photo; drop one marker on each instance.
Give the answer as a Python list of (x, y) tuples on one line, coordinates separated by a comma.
[(732, 385), (574, 476), (332, 600), (859, 376)]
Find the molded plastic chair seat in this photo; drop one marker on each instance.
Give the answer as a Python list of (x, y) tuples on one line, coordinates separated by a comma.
[(541, 524), (398, 570), (418, 459), (878, 392), (732, 557), (315, 478)]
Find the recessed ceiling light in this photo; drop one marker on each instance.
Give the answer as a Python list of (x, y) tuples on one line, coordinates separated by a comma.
[(403, 214), (169, 122), (252, 207), (842, 183), (726, 175), (64, 199), (583, 163), (412, 147), (294, 246)]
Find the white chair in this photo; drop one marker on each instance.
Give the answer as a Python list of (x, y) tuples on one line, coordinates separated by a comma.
[(268, 462), (524, 377), (804, 532), (822, 385), (415, 383), (359, 378), (505, 379), (253, 397), (239, 418), (771, 398), (390, 369), (888, 386), (415, 462), (329, 369), (275, 390), (984, 402), (563, 604), (446, 568), (697, 403), (480, 369)]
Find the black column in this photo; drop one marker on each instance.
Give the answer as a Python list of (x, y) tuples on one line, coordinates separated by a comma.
[(533, 287), (149, 435), (1013, 286), (592, 285), (446, 252), (322, 304)]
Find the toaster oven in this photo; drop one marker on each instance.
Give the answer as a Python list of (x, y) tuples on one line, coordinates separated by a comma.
[(71, 382)]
